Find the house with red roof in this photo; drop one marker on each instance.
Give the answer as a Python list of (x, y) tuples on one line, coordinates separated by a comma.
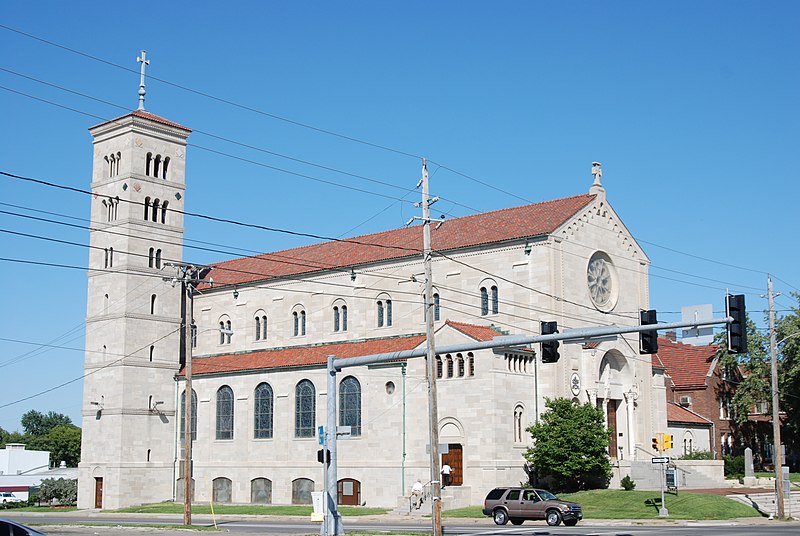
[(264, 325)]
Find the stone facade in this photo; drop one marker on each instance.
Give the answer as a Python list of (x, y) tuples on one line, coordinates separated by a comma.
[(507, 274)]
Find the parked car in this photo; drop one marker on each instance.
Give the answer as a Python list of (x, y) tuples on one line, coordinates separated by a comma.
[(9, 497), (521, 504), (10, 528)]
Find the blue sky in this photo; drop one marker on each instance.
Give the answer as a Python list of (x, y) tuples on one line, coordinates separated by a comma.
[(691, 107)]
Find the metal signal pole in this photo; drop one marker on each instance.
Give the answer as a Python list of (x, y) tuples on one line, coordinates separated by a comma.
[(436, 502)]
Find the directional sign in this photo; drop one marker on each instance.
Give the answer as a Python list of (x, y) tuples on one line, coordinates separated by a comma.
[(660, 459), (321, 435), (343, 432)]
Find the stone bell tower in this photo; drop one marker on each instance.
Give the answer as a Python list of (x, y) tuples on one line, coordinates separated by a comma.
[(133, 317)]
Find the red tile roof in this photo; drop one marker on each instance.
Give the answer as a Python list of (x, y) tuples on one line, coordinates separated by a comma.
[(479, 333), (146, 115), (469, 231), (297, 356), (679, 414), (687, 365)]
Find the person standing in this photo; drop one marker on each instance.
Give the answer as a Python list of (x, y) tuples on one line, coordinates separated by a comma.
[(445, 475), (416, 494)]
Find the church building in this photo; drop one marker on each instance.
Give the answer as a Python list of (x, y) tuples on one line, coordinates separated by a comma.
[(262, 331)]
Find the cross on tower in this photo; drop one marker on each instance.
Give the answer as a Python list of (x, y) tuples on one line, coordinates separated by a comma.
[(144, 61)]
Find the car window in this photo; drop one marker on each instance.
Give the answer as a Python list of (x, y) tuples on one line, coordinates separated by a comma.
[(547, 496), (530, 495), (495, 494), (513, 495)]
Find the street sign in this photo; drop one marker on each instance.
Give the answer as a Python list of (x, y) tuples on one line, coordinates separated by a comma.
[(343, 432), (321, 435), (660, 459)]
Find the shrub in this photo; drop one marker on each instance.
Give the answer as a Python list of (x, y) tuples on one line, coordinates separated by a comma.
[(63, 490), (734, 466), (627, 483), (697, 455)]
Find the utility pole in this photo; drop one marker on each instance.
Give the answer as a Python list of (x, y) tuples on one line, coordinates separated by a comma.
[(777, 457), (189, 277), (436, 488)]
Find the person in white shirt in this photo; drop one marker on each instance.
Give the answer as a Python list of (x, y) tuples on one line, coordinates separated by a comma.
[(445, 475), (416, 494)]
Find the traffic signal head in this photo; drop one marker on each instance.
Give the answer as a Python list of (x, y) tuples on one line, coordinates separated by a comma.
[(658, 442), (737, 329), (648, 340), (324, 456), (667, 441), (549, 348)]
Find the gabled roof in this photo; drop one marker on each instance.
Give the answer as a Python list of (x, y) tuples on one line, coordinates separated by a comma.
[(479, 333), (145, 115), (298, 356), (687, 365), (479, 229), (679, 414)]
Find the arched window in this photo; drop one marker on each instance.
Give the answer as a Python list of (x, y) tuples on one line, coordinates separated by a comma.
[(157, 166), (164, 171), (460, 365), (119, 161), (384, 306), (148, 163), (193, 416), (449, 366), (164, 206), (258, 328), (221, 490), (436, 311), (336, 318), (484, 301), (194, 334), (380, 314), (471, 364), (106, 301), (158, 258), (156, 205), (261, 491), (152, 351), (344, 318), (495, 300), (262, 426), (439, 367), (151, 258), (146, 208), (301, 490), (519, 418), (304, 409), (225, 413), (110, 257), (108, 166), (296, 322), (350, 405), (228, 331), (264, 327), (302, 322), (222, 332), (153, 304), (388, 312)]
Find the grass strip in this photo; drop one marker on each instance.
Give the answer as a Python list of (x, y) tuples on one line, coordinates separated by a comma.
[(245, 509)]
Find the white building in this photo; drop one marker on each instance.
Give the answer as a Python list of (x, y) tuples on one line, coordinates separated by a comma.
[(265, 327)]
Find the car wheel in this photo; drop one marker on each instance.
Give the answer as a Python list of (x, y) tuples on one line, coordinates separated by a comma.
[(570, 522), (553, 518), (517, 521), (500, 517)]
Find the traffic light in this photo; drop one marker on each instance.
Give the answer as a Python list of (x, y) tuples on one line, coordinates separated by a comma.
[(324, 456), (648, 340), (737, 329), (667, 441), (549, 348), (658, 445)]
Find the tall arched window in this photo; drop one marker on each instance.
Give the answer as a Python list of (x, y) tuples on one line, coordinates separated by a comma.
[(164, 206), (336, 318), (110, 257), (194, 335), (380, 313), (228, 331), (225, 413), (153, 304), (495, 300), (264, 327), (344, 318), (296, 323), (262, 426), (302, 322), (484, 301), (519, 417), (151, 257), (222, 332), (439, 367), (164, 171), (350, 405), (157, 166), (436, 311), (460, 358), (449, 366), (261, 491), (471, 364), (146, 208), (148, 164), (258, 328), (193, 416), (304, 409), (221, 490), (388, 312), (158, 258)]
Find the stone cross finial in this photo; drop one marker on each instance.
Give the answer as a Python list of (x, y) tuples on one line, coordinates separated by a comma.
[(144, 61), (597, 172)]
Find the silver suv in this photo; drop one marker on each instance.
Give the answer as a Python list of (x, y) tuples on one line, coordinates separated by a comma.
[(9, 497), (521, 504)]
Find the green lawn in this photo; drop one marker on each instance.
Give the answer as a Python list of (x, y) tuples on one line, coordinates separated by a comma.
[(793, 477), (245, 509), (618, 504)]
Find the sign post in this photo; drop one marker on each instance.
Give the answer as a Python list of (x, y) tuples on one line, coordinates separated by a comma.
[(662, 461)]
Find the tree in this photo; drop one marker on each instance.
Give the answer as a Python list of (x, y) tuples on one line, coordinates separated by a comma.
[(570, 446), (63, 490), (63, 442), (36, 423)]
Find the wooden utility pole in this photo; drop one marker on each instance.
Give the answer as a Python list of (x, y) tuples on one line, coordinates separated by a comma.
[(188, 290), (777, 457), (436, 488)]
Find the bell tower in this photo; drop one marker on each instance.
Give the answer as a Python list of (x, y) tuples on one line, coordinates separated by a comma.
[(133, 317)]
